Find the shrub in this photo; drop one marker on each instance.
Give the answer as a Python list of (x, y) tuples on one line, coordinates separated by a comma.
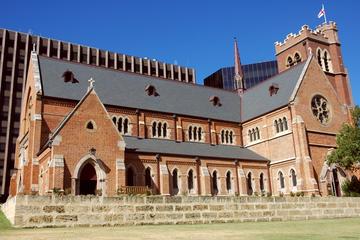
[(292, 194), (351, 187), (67, 191), (300, 194)]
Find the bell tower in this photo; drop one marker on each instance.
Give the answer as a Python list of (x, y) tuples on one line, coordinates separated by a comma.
[(324, 44)]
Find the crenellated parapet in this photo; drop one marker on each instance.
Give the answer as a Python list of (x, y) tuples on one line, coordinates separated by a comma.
[(325, 33)]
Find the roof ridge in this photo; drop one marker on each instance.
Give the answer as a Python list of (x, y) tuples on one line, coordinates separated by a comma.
[(143, 75)]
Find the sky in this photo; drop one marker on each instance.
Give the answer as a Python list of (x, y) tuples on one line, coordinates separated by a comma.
[(196, 34)]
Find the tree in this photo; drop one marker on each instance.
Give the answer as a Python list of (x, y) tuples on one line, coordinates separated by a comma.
[(347, 153)]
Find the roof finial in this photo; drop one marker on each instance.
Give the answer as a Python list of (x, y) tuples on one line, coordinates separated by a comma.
[(239, 77), (91, 83), (310, 50)]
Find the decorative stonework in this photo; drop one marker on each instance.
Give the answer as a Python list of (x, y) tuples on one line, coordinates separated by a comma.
[(164, 169), (36, 117), (320, 109), (205, 171), (120, 164)]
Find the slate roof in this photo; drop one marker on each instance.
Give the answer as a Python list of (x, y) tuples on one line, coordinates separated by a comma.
[(190, 149), (257, 101), (128, 90)]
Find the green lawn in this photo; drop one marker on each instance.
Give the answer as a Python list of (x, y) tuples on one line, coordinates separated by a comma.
[(4, 223), (315, 229)]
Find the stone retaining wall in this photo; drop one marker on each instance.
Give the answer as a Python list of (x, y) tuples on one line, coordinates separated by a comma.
[(45, 211)]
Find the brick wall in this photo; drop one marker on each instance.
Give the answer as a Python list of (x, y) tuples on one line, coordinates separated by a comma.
[(66, 211)]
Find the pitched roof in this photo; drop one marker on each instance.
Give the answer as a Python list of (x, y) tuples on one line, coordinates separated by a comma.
[(190, 149), (62, 123), (257, 101), (128, 90)]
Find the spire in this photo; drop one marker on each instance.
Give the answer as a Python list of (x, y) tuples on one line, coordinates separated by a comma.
[(238, 77)]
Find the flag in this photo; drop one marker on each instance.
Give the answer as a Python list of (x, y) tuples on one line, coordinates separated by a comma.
[(322, 12)]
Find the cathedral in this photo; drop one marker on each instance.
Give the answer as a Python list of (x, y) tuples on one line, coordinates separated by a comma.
[(91, 130)]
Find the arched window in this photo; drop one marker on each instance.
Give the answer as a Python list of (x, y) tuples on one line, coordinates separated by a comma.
[(326, 61), (250, 136), (120, 124), (130, 177), (262, 186), (281, 127), (148, 180), (297, 58), (159, 129), (190, 180), (276, 126), (175, 179), (90, 125), (281, 180), (257, 133), (290, 62), (154, 129), (249, 184), (215, 183), (228, 181), (285, 124), (126, 126), (293, 177), (195, 133), (319, 57), (190, 133), (227, 136), (254, 134), (164, 130)]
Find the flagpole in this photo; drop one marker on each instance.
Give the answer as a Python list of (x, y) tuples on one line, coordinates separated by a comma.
[(324, 13)]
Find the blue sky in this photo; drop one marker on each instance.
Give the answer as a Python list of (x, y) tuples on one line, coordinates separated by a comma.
[(193, 33)]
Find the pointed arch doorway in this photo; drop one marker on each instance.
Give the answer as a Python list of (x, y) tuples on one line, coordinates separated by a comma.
[(89, 176), (88, 180)]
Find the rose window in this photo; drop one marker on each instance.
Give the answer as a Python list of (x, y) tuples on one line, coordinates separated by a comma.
[(320, 109)]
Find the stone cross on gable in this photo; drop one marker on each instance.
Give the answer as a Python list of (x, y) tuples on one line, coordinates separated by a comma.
[(91, 84)]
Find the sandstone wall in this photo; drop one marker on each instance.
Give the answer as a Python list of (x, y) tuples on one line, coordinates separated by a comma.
[(66, 211)]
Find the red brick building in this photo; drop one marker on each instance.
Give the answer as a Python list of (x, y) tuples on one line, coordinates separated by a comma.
[(86, 129)]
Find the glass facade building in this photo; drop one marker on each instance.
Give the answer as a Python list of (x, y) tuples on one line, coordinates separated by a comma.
[(253, 74)]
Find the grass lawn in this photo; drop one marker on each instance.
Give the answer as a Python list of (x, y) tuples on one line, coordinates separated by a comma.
[(316, 229), (4, 223)]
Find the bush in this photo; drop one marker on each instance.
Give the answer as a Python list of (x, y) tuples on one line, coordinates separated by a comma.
[(292, 194), (351, 187), (300, 194)]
